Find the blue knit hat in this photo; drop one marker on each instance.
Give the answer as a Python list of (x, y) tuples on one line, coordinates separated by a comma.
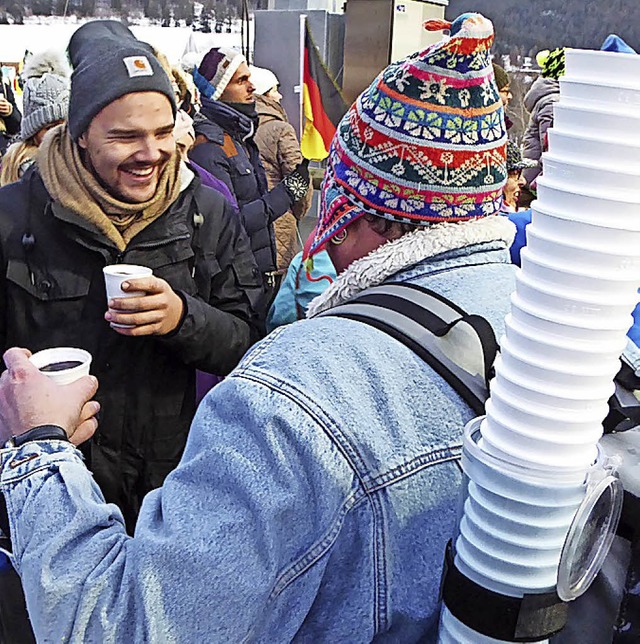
[(616, 44)]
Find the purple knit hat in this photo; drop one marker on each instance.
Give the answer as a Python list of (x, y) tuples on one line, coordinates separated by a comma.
[(216, 71)]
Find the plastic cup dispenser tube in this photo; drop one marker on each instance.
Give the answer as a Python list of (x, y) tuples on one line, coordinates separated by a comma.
[(541, 502)]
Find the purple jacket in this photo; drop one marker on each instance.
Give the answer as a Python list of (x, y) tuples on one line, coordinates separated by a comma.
[(209, 180)]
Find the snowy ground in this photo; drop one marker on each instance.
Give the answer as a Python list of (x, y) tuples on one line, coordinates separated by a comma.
[(173, 41)]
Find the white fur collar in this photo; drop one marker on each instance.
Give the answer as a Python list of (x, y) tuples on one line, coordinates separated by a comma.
[(408, 250)]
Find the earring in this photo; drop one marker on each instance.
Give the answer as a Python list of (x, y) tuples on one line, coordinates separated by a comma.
[(339, 238)]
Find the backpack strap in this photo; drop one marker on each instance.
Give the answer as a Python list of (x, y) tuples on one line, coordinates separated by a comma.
[(460, 347)]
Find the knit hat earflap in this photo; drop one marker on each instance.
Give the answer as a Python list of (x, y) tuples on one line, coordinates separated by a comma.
[(425, 143), (46, 92), (108, 63), (216, 71)]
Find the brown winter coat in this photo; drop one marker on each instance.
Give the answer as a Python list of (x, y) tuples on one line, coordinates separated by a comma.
[(280, 153)]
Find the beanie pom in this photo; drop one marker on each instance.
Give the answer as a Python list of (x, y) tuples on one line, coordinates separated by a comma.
[(437, 25), (47, 62), (541, 57)]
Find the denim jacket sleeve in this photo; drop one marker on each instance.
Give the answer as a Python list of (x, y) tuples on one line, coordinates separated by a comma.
[(255, 503)]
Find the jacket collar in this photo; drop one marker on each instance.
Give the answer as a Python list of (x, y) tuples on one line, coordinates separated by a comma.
[(413, 248), (269, 109), (235, 123)]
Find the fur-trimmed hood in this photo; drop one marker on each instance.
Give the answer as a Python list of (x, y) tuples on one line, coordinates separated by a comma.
[(410, 249)]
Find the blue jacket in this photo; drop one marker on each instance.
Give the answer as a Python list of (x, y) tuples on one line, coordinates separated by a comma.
[(313, 502), (297, 291)]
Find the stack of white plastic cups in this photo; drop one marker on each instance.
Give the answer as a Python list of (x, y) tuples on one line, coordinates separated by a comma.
[(564, 336)]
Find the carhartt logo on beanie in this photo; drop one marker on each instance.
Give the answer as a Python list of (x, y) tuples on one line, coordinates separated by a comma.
[(108, 63), (425, 143), (216, 71)]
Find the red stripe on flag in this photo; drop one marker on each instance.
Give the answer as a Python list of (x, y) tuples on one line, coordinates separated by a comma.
[(321, 120)]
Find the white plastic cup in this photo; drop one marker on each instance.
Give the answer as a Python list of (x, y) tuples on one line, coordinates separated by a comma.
[(574, 118), (591, 206), (513, 517), (568, 325), (574, 302), (583, 174), (535, 392), (589, 91), (531, 341), (606, 67), (51, 362), (115, 274), (589, 148), (550, 370), (565, 446), (544, 267), (601, 235), (495, 568), (581, 258)]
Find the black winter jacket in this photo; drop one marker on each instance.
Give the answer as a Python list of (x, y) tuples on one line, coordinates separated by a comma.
[(235, 160), (11, 122), (53, 294)]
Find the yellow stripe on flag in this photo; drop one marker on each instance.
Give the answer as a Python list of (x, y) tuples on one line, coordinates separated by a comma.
[(311, 145)]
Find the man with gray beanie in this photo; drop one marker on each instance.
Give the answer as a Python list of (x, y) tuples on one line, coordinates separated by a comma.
[(109, 188), (225, 147)]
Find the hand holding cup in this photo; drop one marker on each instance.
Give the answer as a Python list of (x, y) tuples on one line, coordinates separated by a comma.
[(29, 398), (141, 305)]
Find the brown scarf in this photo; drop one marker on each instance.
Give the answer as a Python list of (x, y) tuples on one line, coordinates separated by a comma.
[(70, 183)]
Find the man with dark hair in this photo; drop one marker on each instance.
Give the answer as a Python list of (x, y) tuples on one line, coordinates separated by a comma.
[(110, 188), (225, 147), (320, 483)]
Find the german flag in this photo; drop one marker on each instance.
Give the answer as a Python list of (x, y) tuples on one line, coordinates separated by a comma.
[(322, 102)]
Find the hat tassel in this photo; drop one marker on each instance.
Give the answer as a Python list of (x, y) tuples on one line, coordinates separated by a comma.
[(437, 25)]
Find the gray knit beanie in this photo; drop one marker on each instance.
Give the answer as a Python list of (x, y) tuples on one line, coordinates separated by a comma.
[(46, 92), (109, 62)]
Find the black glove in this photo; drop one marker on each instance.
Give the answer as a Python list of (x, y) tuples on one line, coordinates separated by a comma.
[(297, 183)]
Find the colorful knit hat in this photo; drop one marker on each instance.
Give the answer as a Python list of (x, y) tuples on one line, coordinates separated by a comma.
[(552, 62), (216, 71), (515, 161), (425, 143)]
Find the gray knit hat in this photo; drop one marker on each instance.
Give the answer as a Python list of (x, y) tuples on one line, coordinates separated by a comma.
[(109, 62), (46, 92)]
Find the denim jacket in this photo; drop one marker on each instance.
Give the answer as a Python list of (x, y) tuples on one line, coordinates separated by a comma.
[(313, 502)]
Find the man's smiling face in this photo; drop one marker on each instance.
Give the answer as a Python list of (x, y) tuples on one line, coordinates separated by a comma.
[(129, 143)]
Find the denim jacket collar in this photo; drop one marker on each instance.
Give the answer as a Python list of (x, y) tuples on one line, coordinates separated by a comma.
[(411, 249)]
